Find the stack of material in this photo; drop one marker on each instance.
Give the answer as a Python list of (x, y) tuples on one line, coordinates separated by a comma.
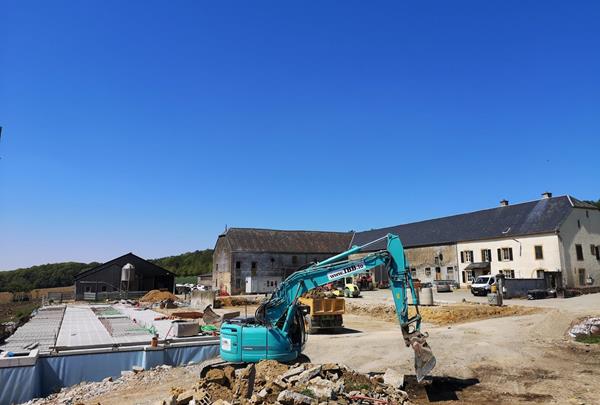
[(39, 333), (270, 382)]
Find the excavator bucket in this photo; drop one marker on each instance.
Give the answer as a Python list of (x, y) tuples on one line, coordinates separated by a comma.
[(424, 358)]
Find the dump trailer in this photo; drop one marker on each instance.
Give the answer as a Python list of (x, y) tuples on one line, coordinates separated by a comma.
[(323, 313)]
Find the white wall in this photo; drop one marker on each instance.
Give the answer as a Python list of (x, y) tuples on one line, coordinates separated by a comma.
[(524, 263), (585, 233)]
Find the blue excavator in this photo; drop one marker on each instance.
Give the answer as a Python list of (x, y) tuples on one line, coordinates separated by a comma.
[(277, 332)]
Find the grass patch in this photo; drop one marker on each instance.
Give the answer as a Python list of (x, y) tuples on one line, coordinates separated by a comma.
[(308, 392), (357, 387), (588, 339)]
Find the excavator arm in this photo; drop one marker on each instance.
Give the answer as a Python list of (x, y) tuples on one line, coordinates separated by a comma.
[(281, 313)]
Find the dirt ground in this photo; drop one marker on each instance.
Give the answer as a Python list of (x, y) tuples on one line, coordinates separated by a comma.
[(522, 357), (509, 360), (440, 314)]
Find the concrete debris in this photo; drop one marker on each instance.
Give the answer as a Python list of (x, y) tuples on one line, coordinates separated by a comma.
[(292, 372), (221, 402), (393, 378), (309, 374), (271, 382), (262, 393), (293, 398), (255, 384), (323, 389), (589, 327), (137, 369), (185, 397), (85, 391)]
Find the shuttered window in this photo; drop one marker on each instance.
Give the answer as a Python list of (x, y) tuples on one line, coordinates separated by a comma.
[(466, 256), (505, 254)]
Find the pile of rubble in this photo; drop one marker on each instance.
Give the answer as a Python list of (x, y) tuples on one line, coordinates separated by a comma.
[(270, 382), (85, 391), (589, 327)]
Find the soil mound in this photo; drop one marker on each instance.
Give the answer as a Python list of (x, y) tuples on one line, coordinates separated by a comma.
[(158, 296)]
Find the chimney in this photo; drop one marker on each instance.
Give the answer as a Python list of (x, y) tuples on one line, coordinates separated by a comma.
[(503, 203), (547, 194)]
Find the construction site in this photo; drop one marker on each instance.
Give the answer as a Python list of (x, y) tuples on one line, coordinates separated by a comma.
[(299, 203), (353, 349)]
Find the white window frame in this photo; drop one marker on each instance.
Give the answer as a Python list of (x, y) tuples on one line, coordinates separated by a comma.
[(468, 256), (427, 271), (505, 254), (484, 253), (470, 277), (508, 273)]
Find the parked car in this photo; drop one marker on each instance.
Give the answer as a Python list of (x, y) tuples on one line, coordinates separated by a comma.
[(443, 285), (540, 294), (483, 285)]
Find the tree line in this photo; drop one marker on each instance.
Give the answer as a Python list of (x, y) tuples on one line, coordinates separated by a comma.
[(596, 203), (63, 274)]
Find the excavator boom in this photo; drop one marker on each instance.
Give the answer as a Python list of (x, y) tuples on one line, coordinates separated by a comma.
[(277, 331)]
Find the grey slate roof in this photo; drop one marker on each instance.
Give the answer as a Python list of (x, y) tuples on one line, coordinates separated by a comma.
[(270, 240), (535, 217)]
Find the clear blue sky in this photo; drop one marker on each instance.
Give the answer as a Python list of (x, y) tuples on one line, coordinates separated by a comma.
[(148, 126)]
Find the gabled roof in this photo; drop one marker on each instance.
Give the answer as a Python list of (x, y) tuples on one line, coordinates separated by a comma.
[(534, 217), (277, 241), (129, 256)]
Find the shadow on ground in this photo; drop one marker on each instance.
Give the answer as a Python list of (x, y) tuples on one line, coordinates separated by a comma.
[(437, 389), (338, 331)]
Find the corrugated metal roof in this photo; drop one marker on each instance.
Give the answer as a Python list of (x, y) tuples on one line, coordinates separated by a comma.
[(128, 257), (535, 217), (277, 241)]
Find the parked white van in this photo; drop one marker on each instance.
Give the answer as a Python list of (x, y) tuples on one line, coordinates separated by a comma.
[(483, 285)]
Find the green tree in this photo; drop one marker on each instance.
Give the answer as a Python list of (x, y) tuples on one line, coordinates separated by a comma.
[(63, 274)]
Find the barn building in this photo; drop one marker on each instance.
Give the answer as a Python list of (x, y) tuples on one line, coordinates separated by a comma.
[(248, 260), (552, 238), (110, 277)]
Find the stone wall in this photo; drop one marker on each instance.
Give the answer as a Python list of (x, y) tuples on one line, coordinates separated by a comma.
[(268, 265), (433, 263)]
